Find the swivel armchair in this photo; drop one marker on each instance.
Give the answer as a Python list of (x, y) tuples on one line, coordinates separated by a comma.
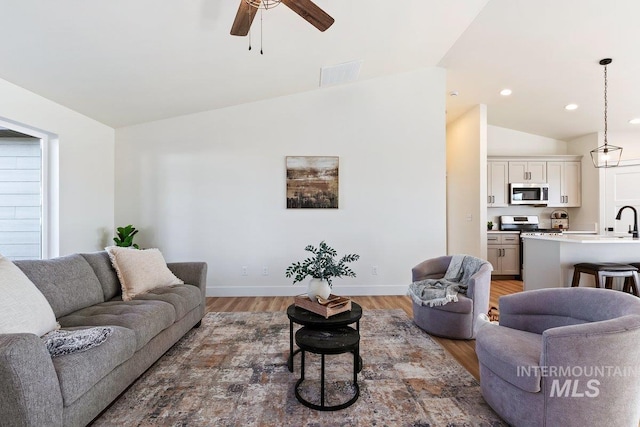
[(455, 319), (563, 356)]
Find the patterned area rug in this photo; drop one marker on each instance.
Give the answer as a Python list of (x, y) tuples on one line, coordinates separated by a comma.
[(232, 371)]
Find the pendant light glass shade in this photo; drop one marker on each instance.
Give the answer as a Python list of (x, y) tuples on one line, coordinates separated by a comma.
[(606, 156)]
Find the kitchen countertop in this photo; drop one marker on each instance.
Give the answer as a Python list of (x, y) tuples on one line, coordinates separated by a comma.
[(587, 238), (564, 232)]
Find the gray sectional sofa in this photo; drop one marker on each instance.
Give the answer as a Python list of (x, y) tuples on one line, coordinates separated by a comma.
[(83, 291)]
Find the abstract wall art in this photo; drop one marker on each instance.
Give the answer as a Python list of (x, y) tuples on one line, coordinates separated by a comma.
[(312, 182)]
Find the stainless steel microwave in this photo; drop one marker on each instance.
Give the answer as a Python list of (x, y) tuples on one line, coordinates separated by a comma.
[(528, 193)]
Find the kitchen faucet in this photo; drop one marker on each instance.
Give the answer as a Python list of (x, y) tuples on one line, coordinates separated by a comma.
[(634, 232)]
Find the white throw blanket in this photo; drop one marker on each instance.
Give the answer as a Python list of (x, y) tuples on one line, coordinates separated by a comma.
[(436, 292)]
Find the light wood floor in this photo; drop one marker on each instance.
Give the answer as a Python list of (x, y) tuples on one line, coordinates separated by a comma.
[(464, 351)]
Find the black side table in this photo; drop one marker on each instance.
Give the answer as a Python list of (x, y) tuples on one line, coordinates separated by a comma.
[(333, 341), (315, 321)]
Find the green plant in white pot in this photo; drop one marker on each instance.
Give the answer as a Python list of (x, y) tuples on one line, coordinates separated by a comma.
[(322, 267)]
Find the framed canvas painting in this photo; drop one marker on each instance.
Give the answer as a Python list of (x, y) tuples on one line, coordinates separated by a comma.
[(312, 182)]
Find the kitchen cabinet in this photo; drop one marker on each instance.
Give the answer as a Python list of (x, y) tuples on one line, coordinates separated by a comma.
[(531, 171), (565, 185), (497, 184), (503, 252)]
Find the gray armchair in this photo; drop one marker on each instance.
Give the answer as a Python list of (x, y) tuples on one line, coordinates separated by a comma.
[(563, 356), (456, 319)]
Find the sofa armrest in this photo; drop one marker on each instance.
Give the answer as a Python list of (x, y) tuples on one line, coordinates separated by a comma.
[(29, 389), (192, 273)]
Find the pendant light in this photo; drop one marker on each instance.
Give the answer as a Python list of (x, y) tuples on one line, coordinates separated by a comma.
[(606, 156)]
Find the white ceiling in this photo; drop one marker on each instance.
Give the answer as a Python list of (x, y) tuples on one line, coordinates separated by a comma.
[(124, 62)]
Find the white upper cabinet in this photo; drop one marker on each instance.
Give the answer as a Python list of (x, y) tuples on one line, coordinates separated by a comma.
[(565, 184), (563, 173), (531, 171), (497, 184)]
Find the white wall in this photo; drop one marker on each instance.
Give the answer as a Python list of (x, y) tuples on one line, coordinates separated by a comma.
[(211, 186), (467, 183), (508, 142), (629, 141), (588, 213), (84, 171)]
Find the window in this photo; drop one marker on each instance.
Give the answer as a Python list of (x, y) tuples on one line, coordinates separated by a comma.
[(21, 207)]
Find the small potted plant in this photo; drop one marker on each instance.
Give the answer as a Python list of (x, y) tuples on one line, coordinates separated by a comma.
[(489, 225), (125, 235), (322, 267)]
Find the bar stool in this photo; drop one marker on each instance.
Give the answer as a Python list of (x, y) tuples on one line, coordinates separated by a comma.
[(607, 271), (632, 288)]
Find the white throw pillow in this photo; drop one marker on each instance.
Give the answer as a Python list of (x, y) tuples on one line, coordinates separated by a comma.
[(23, 308), (139, 271)]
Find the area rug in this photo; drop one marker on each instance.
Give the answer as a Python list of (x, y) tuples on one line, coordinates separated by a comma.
[(232, 371)]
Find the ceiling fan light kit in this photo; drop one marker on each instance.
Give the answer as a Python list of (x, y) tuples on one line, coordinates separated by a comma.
[(263, 4), (606, 156)]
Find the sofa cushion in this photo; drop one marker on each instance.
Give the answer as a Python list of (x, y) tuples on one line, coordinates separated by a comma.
[(102, 267), (140, 270), (184, 298), (511, 354), (145, 318), (23, 308), (78, 372), (68, 283)]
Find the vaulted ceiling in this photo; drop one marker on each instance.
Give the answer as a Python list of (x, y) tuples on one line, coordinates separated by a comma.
[(124, 62)]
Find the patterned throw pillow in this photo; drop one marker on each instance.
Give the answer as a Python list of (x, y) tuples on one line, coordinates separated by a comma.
[(63, 342)]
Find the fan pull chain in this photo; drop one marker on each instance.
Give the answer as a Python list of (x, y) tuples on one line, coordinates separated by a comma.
[(261, 53), (249, 18)]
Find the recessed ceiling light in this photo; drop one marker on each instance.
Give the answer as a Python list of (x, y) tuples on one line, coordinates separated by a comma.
[(454, 93), (571, 107), (505, 92), (635, 121)]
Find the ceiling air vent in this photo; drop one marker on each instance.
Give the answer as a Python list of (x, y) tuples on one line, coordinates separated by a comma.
[(339, 74)]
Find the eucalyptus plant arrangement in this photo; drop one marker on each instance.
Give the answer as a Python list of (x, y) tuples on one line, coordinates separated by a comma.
[(324, 265), (124, 238)]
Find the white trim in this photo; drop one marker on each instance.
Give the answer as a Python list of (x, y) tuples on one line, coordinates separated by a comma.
[(629, 162), (292, 290), (49, 190), (543, 157)]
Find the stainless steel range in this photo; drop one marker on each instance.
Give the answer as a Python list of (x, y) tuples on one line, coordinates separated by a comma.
[(526, 225)]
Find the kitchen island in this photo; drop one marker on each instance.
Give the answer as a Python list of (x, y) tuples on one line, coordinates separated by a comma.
[(548, 260)]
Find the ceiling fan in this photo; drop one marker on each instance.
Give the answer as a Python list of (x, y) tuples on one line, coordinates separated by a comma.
[(308, 10)]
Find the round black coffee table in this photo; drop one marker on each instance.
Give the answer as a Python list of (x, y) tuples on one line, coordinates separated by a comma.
[(323, 342), (315, 321)]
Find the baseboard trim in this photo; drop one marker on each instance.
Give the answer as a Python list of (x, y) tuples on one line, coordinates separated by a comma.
[(292, 290)]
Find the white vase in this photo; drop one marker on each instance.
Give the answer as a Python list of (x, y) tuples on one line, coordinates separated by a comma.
[(318, 288)]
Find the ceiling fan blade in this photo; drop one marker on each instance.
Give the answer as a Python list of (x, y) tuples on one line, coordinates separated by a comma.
[(311, 13), (243, 20)]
